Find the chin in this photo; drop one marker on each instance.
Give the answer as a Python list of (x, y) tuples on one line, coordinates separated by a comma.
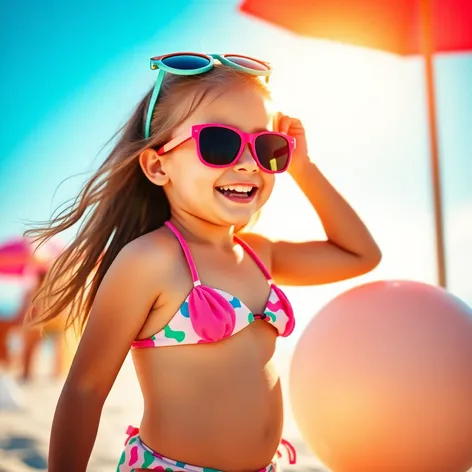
[(237, 221)]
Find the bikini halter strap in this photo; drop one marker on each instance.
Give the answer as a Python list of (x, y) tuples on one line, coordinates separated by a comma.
[(188, 255), (191, 263), (255, 257)]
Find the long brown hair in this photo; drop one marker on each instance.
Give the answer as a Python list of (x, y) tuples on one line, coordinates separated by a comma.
[(118, 203)]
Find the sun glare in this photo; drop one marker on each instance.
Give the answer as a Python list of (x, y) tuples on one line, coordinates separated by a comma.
[(334, 89)]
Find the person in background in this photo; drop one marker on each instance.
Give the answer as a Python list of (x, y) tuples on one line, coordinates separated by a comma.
[(34, 336)]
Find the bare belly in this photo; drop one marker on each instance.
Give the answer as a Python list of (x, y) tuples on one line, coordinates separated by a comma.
[(213, 405)]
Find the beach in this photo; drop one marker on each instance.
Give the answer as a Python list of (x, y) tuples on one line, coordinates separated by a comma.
[(24, 433)]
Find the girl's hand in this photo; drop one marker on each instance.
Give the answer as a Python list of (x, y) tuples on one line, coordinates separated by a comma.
[(294, 127)]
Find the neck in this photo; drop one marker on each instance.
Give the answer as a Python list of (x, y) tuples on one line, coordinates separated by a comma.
[(197, 230)]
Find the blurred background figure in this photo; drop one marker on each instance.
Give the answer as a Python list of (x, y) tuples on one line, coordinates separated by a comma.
[(23, 267), (52, 332), (9, 393), (7, 324)]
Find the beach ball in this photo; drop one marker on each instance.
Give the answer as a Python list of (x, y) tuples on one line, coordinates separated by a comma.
[(381, 380)]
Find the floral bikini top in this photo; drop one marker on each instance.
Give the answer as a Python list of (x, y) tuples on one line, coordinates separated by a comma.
[(209, 315)]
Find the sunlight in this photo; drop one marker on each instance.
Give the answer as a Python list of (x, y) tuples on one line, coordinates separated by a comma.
[(331, 76), (335, 94), (356, 108)]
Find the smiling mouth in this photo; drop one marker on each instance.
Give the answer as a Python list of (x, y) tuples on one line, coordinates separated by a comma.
[(238, 192)]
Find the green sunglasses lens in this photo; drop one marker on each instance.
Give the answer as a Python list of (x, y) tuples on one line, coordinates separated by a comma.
[(247, 62), (185, 62)]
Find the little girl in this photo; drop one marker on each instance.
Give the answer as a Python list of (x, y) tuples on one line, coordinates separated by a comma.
[(161, 265)]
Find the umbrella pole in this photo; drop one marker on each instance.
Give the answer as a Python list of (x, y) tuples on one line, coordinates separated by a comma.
[(427, 47)]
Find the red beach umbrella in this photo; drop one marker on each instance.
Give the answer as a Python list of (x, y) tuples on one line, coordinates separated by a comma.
[(404, 27)]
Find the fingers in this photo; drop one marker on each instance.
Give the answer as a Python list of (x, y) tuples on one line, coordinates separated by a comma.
[(286, 124), (283, 123)]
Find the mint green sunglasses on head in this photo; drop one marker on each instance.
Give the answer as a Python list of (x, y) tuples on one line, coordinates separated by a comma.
[(192, 63)]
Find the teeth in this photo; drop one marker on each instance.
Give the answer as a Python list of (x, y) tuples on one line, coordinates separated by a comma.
[(238, 188)]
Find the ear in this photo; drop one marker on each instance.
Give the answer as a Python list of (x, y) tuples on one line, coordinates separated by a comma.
[(152, 165)]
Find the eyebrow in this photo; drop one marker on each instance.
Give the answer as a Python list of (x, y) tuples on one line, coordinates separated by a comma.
[(223, 122)]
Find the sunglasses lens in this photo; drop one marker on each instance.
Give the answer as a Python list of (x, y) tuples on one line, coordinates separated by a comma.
[(185, 61), (273, 152), (219, 146), (248, 63)]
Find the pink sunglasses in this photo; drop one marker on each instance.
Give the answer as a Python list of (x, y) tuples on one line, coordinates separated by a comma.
[(221, 146)]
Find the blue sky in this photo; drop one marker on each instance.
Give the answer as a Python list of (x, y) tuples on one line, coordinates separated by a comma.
[(72, 73)]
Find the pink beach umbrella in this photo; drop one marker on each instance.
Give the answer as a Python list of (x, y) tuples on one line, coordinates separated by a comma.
[(19, 256)]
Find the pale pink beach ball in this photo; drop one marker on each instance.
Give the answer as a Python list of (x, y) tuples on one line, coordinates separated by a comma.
[(381, 380)]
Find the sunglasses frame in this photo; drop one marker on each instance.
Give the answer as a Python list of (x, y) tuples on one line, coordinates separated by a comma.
[(246, 139), (157, 62)]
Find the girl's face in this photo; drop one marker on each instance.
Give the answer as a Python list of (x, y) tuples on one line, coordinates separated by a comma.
[(205, 192)]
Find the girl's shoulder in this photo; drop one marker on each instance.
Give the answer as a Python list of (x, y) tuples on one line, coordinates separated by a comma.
[(152, 254), (137, 275), (157, 245)]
